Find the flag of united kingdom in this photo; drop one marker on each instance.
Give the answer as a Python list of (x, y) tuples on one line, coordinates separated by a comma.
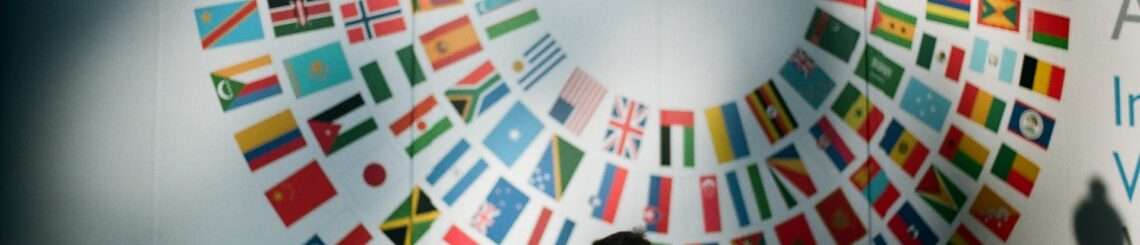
[(626, 127)]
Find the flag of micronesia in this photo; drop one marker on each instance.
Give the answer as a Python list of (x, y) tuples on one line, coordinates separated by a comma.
[(925, 104)]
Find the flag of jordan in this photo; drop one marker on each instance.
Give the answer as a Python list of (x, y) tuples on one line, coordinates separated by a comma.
[(343, 123)]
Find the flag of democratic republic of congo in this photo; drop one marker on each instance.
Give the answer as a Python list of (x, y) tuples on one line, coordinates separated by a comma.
[(269, 140), (296, 16), (771, 111), (478, 91), (893, 25), (556, 167), (727, 133), (246, 82), (905, 149), (228, 23), (428, 124), (411, 219), (343, 123), (1031, 124), (964, 152)]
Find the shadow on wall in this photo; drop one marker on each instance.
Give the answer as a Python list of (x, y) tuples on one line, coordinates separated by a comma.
[(1096, 221)]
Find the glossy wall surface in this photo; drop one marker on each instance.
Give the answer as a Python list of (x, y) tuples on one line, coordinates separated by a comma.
[(560, 122)]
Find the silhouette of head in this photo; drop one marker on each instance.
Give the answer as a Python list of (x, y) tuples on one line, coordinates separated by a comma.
[(623, 237), (1095, 220), (1097, 189)]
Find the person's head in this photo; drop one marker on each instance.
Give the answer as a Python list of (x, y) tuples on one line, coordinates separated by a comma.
[(623, 237)]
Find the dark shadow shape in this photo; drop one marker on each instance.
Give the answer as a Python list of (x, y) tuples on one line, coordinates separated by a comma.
[(1096, 221), (636, 237)]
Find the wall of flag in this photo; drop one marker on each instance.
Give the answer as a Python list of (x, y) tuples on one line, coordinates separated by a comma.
[(468, 122)]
